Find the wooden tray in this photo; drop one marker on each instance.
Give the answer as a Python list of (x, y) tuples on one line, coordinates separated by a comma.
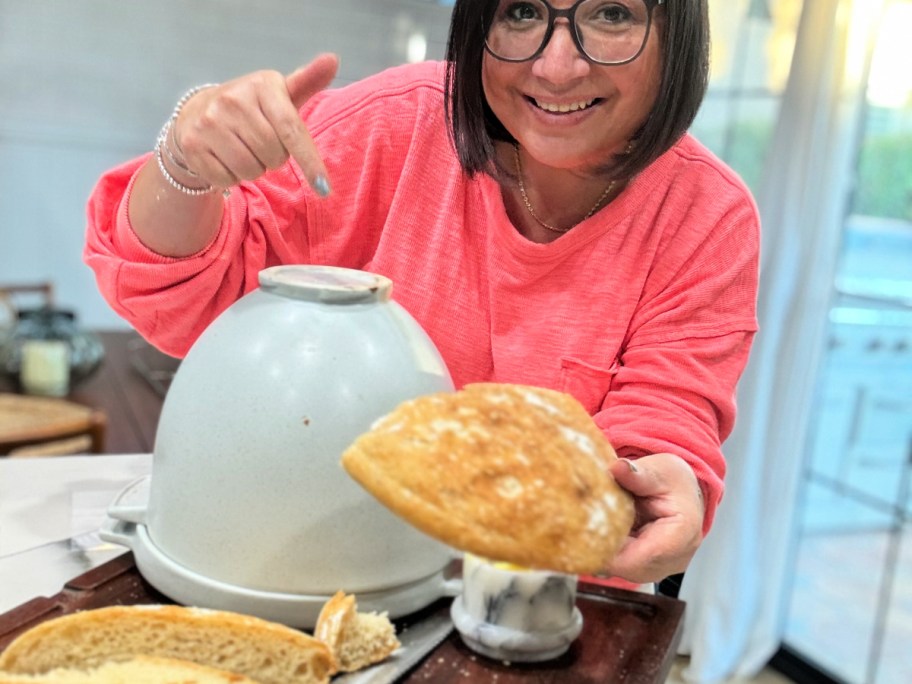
[(628, 638)]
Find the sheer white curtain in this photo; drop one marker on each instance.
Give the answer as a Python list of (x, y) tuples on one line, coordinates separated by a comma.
[(735, 586)]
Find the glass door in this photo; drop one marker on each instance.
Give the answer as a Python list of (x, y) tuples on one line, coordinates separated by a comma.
[(850, 603)]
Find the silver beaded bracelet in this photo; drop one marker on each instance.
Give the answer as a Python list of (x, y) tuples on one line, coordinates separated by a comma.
[(162, 143), (176, 156)]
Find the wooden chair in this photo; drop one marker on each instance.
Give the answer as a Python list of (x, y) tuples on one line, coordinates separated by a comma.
[(42, 426), (12, 295)]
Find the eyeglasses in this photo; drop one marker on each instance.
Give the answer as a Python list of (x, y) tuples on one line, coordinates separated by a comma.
[(605, 31)]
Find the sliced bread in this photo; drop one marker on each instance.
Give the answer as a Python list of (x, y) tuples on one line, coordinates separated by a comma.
[(137, 670), (357, 640), (264, 651)]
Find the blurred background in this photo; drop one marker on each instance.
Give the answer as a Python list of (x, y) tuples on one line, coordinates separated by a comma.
[(810, 101)]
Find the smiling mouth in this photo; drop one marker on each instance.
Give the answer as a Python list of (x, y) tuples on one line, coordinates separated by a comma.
[(564, 107)]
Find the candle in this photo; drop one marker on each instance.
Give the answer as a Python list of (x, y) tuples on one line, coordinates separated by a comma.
[(45, 367)]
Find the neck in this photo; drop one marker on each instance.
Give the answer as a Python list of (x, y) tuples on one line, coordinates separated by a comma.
[(554, 199)]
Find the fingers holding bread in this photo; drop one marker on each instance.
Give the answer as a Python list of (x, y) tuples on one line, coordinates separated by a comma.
[(508, 472)]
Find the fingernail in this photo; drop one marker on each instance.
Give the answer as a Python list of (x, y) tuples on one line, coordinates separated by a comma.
[(321, 185), (631, 465)]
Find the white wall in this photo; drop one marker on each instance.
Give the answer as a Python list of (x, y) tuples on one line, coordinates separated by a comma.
[(86, 84)]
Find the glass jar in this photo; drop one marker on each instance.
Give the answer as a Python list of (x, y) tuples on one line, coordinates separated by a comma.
[(84, 349)]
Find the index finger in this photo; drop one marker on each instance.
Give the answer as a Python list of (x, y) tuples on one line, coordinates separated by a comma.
[(300, 145), (282, 114)]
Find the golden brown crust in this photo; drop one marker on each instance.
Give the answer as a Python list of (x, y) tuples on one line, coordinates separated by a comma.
[(335, 616), (508, 472), (262, 650)]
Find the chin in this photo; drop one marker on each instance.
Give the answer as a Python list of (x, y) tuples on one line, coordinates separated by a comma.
[(557, 155)]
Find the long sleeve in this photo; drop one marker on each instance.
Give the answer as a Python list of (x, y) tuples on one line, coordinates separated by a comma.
[(687, 346)]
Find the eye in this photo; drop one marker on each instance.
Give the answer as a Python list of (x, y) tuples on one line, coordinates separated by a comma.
[(521, 12), (611, 13)]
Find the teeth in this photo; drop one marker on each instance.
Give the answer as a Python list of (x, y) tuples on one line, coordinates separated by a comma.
[(564, 108)]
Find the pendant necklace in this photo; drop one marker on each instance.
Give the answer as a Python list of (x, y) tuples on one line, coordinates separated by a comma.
[(525, 197)]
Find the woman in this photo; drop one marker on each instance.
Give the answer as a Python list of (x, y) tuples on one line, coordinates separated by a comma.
[(575, 238)]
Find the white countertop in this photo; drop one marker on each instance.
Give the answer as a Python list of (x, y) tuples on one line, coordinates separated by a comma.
[(44, 501), (47, 499)]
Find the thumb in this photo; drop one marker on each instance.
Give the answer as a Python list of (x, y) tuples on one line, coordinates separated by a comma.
[(311, 78), (631, 477)]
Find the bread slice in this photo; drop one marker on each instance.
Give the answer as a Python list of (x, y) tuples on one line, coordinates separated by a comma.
[(138, 670), (508, 472), (267, 652), (357, 640)]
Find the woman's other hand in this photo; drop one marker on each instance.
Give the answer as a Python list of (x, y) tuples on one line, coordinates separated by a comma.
[(669, 517), (225, 134), (240, 129)]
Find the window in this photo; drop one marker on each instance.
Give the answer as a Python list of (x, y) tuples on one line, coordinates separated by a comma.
[(850, 600), (850, 606)]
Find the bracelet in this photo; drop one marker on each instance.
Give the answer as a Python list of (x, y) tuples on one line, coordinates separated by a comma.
[(176, 157), (161, 143), (172, 181), (185, 98)]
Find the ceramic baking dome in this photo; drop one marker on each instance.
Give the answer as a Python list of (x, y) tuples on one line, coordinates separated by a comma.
[(248, 508)]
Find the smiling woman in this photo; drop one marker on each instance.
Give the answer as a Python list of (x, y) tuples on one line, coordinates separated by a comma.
[(575, 101), (679, 39), (536, 200)]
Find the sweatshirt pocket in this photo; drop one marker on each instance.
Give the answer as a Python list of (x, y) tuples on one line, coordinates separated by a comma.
[(589, 384)]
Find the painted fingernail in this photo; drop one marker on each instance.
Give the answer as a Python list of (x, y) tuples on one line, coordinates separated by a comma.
[(321, 185), (631, 465)]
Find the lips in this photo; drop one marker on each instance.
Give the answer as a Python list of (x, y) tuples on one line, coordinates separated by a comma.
[(563, 107)]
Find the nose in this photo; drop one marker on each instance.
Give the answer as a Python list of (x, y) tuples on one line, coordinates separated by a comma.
[(561, 60)]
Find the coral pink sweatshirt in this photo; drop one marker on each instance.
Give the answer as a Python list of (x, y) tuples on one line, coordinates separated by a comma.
[(644, 312)]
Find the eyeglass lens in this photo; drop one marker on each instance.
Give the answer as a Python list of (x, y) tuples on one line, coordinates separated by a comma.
[(609, 31)]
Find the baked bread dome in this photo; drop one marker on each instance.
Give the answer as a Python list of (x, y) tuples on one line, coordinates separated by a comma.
[(508, 472)]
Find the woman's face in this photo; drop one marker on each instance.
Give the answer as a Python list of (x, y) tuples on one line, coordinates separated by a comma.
[(522, 94)]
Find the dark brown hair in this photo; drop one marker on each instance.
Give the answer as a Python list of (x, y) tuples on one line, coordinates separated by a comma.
[(685, 72)]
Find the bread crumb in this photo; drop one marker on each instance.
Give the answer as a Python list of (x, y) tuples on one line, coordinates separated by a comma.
[(357, 640)]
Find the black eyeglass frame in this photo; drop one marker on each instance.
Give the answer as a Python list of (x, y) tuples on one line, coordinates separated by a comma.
[(570, 14)]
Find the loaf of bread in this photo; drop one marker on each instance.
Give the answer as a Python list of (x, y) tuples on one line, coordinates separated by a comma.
[(508, 472), (137, 670), (264, 651), (356, 640)]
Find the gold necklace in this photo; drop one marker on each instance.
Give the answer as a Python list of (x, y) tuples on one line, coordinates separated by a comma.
[(525, 197)]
